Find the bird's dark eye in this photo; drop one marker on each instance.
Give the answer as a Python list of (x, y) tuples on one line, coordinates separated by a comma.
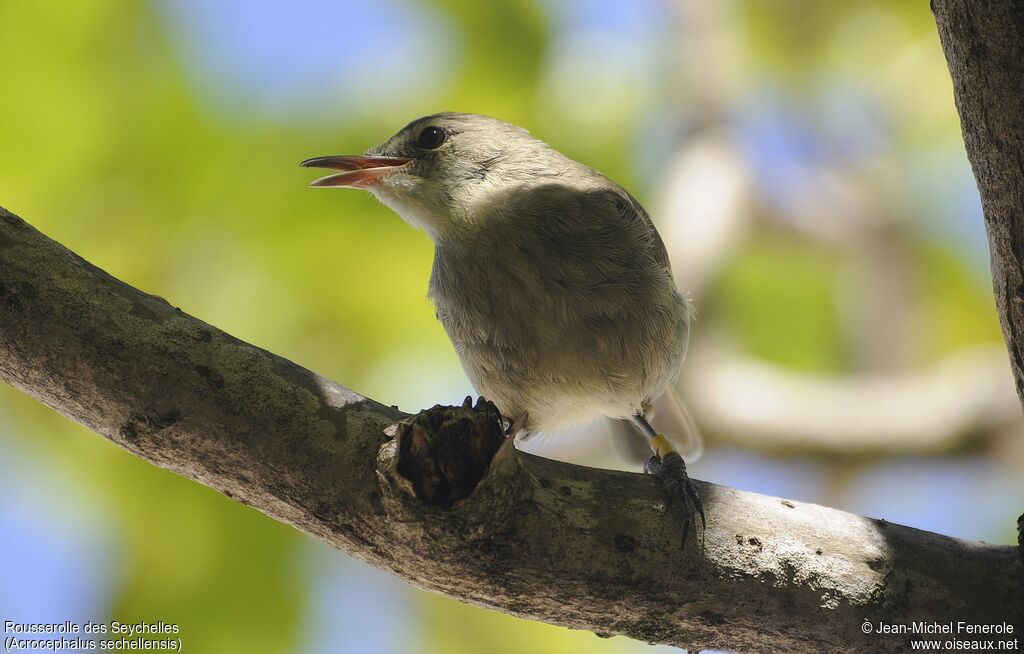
[(431, 137)]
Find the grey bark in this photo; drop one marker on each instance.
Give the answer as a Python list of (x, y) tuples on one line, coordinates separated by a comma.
[(421, 496), (984, 46)]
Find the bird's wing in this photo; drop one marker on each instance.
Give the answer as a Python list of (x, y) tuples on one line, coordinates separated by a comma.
[(668, 416), (660, 252)]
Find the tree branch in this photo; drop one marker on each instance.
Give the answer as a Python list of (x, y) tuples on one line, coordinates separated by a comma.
[(580, 547), (984, 46), (824, 414)]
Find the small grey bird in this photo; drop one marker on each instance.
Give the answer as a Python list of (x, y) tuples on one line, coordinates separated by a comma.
[(550, 279)]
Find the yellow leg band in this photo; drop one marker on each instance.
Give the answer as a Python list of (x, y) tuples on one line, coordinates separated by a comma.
[(661, 446)]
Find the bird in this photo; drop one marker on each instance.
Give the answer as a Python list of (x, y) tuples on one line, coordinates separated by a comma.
[(550, 279)]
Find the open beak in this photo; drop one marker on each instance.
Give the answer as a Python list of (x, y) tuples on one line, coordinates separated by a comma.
[(357, 171)]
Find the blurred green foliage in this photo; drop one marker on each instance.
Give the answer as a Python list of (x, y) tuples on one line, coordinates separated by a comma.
[(779, 297)]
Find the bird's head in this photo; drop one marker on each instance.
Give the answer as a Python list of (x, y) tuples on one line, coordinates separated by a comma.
[(438, 171)]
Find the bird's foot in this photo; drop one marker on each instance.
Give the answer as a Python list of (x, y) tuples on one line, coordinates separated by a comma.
[(516, 428), (681, 495)]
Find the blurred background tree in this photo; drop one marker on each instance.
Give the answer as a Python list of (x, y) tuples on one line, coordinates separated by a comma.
[(802, 158)]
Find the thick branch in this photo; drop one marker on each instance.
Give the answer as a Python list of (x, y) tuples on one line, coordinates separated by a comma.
[(984, 46), (574, 546)]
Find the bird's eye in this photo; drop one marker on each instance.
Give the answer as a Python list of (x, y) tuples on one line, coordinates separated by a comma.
[(431, 137)]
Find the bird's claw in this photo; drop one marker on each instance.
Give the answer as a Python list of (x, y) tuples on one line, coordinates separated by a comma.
[(516, 427), (681, 495)]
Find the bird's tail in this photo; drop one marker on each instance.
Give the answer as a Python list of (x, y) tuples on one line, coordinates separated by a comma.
[(670, 417)]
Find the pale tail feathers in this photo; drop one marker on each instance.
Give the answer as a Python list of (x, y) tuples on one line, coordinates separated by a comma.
[(668, 416)]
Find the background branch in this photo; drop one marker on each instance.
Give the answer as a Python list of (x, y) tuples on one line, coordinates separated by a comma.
[(580, 547)]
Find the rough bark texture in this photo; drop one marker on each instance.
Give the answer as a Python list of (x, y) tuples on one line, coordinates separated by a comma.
[(580, 547), (984, 46)]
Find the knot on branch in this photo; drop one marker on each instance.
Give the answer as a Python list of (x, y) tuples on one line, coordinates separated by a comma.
[(445, 451)]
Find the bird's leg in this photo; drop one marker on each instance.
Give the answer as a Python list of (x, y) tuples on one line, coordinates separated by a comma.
[(517, 428), (668, 466)]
